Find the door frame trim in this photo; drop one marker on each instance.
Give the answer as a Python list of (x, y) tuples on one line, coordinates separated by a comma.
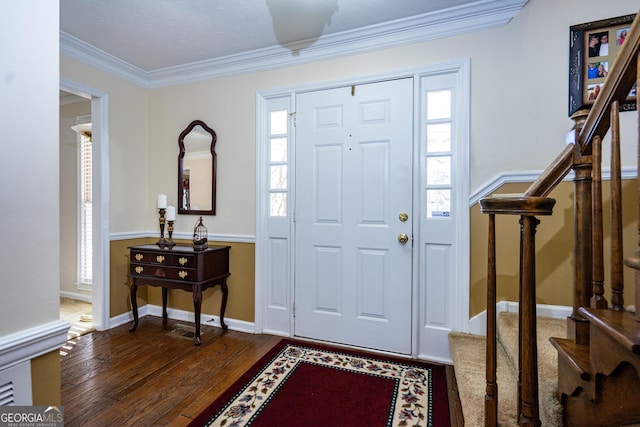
[(284, 327), (101, 258)]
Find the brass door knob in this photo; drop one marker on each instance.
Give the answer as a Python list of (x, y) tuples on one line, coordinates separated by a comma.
[(403, 216), (403, 238)]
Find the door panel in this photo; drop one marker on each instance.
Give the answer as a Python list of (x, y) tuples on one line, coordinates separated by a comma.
[(353, 178)]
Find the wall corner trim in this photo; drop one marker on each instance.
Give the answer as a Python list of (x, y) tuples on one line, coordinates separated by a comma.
[(30, 343)]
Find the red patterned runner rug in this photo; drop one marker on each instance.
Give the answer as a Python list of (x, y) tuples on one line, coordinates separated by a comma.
[(303, 384)]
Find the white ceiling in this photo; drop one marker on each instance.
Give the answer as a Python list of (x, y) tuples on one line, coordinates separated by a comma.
[(149, 38)]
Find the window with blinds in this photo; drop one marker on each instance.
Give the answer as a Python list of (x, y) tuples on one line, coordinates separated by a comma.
[(85, 243)]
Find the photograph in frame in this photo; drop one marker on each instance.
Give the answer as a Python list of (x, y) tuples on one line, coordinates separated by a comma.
[(593, 47)]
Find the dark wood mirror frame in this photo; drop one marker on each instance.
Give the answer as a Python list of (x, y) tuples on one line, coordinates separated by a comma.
[(181, 176)]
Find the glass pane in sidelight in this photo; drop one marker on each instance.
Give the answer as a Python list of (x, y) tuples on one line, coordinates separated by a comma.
[(278, 122), (439, 105), (278, 177), (439, 170), (278, 150), (278, 204), (439, 138), (438, 203)]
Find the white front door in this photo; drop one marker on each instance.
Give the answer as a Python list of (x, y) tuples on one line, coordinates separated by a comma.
[(353, 275)]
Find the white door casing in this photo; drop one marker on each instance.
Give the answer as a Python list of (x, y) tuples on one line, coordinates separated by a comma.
[(100, 290), (353, 179), (443, 213), (438, 307)]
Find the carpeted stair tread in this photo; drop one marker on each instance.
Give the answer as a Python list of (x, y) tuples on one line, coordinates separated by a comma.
[(468, 354), (550, 408)]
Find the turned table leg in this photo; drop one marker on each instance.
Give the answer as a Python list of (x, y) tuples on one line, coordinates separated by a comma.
[(134, 305), (197, 305), (165, 292), (223, 305)]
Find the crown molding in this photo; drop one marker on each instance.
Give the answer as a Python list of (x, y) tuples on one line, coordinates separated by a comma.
[(84, 52), (481, 15)]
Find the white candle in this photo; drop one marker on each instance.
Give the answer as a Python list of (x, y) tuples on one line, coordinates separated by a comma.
[(171, 213), (162, 201)]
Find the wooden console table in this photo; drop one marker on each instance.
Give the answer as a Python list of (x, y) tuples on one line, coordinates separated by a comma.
[(179, 268)]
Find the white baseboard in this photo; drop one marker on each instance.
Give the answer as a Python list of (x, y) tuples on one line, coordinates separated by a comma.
[(478, 323), (76, 296), (184, 316)]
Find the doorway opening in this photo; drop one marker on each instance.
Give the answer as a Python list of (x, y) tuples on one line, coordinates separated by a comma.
[(76, 252), (84, 214)]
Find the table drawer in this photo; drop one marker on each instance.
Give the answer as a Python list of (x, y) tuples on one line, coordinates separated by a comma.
[(155, 271), (164, 258), (150, 258), (181, 260)]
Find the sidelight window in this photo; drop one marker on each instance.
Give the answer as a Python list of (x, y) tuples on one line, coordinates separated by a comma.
[(278, 163), (438, 153)]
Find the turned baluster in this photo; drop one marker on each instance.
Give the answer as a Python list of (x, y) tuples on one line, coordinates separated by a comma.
[(617, 276), (598, 300), (529, 406), (491, 396), (634, 260)]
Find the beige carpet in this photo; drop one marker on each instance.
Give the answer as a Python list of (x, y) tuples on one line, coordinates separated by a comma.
[(78, 313), (468, 353)]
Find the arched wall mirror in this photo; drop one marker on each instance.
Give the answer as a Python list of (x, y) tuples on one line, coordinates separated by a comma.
[(197, 170)]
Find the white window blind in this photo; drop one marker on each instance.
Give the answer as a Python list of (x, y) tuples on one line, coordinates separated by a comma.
[(85, 243)]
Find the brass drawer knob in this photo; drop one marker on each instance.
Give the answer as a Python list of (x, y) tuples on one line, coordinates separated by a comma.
[(139, 269), (139, 257), (160, 259), (182, 274), (182, 260)]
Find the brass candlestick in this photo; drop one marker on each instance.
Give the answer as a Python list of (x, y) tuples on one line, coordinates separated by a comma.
[(162, 242), (169, 243)]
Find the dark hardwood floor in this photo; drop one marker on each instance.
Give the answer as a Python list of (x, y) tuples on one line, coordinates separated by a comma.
[(155, 377), (152, 377)]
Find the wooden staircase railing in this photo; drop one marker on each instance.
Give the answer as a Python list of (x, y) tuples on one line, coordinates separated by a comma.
[(591, 320)]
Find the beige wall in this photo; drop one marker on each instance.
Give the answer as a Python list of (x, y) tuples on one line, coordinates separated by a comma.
[(29, 190), (519, 77), (45, 378), (554, 249), (128, 110), (30, 278), (241, 283)]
